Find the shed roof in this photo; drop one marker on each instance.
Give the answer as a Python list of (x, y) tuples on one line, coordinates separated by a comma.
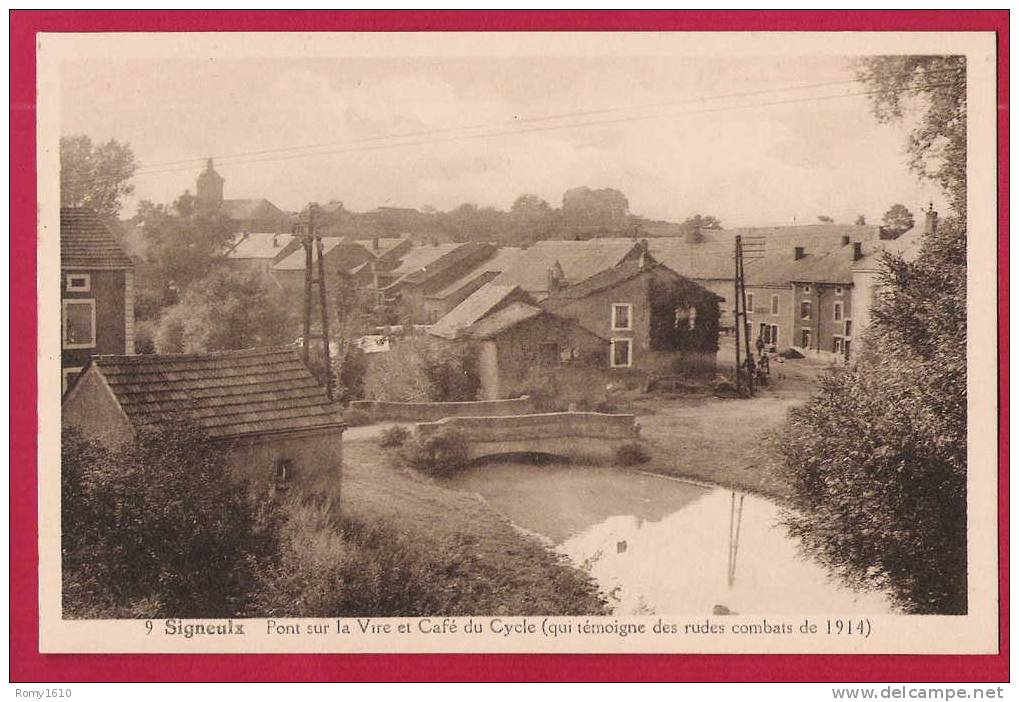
[(419, 257), (295, 261), (493, 266), (86, 242), (259, 245), (229, 393), (506, 318), (463, 256), (478, 304)]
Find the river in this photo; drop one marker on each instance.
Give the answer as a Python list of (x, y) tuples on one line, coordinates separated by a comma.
[(659, 545)]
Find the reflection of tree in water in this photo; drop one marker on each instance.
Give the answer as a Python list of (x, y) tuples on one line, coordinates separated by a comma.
[(735, 521)]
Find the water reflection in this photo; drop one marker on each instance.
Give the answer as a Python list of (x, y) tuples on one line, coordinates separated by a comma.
[(666, 546)]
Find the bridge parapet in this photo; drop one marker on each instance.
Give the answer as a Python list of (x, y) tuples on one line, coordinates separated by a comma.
[(568, 434)]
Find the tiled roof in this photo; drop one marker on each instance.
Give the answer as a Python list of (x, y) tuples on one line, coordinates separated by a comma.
[(578, 259), (480, 303), (906, 245), (260, 245), (229, 393), (608, 278), (385, 244), (86, 242), (419, 257), (491, 267), (464, 257), (250, 208), (506, 318), (295, 261), (831, 267)]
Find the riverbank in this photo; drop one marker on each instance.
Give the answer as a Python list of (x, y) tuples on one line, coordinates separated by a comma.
[(728, 442), (511, 572)]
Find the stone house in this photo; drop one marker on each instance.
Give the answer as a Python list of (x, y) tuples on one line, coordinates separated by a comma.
[(656, 321), (263, 405), (96, 292)]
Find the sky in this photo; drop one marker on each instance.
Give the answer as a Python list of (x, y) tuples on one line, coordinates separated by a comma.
[(742, 139)]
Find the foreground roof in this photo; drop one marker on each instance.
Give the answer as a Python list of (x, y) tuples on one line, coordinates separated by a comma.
[(86, 242), (229, 393)]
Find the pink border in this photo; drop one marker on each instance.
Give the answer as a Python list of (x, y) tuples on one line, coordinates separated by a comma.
[(28, 665)]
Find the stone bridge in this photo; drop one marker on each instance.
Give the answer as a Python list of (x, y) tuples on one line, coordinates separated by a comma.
[(579, 436)]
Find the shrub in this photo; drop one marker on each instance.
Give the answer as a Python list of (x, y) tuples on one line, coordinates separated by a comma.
[(631, 454), (418, 369), (395, 435), (158, 528), (356, 417), (440, 454)]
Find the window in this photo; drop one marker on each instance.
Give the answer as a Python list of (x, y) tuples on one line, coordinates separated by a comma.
[(79, 324), (774, 304), (774, 335), (79, 282), (282, 472), (838, 289), (685, 317), (70, 378), (750, 302), (849, 327), (836, 345), (804, 310), (620, 353), (837, 312), (805, 338), (621, 313)]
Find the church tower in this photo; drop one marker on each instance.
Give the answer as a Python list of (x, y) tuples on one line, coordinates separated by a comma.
[(209, 189)]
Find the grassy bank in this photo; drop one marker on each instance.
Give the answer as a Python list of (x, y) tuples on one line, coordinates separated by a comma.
[(727, 442), (499, 569)]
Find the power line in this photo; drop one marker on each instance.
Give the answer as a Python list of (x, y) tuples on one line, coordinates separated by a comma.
[(486, 135), (525, 120)]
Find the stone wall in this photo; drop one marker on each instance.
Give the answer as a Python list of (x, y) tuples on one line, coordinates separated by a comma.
[(431, 411)]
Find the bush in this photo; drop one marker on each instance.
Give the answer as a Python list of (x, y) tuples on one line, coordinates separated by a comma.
[(440, 454), (631, 454), (393, 436), (418, 369), (877, 459), (356, 417), (158, 528)]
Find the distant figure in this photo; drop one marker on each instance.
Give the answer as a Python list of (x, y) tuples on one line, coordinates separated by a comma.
[(765, 363), (759, 345)]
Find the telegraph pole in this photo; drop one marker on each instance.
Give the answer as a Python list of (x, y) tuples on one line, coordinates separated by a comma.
[(741, 317), (736, 306), (312, 242)]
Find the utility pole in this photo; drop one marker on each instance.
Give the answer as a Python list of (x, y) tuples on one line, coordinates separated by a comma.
[(741, 317), (312, 242), (736, 324)]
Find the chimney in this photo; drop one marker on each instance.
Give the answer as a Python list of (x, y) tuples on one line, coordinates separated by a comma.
[(798, 253), (555, 278), (645, 253), (845, 240), (275, 241), (375, 243), (930, 224), (857, 251)]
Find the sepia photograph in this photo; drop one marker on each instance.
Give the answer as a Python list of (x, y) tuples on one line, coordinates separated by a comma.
[(582, 342)]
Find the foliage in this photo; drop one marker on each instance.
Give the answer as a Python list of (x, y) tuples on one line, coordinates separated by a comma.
[(95, 175), (824, 219), (898, 219), (877, 459), (159, 528), (353, 364), (936, 87), (860, 220), (394, 436), (631, 454), (226, 310), (181, 244), (418, 369), (440, 454), (585, 211), (671, 331), (355, 417)]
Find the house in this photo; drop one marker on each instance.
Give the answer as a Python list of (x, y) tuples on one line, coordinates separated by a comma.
[(867, 286), (657, 321), (520, 346), (246, 214), (96, 291), (437, 303), (578, 260), (339, 256), (259, 251), (263, 405)]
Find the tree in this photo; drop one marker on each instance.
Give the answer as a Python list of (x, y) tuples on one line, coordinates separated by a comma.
[(935, 86), (95, 176), (531, 219), (181, 244), (226, 310), (825, 219), (591, 211), (898, 219), (158, 528), (861, 220)]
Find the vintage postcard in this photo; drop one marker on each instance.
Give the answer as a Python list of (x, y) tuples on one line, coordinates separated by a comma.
[(636, 342)]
